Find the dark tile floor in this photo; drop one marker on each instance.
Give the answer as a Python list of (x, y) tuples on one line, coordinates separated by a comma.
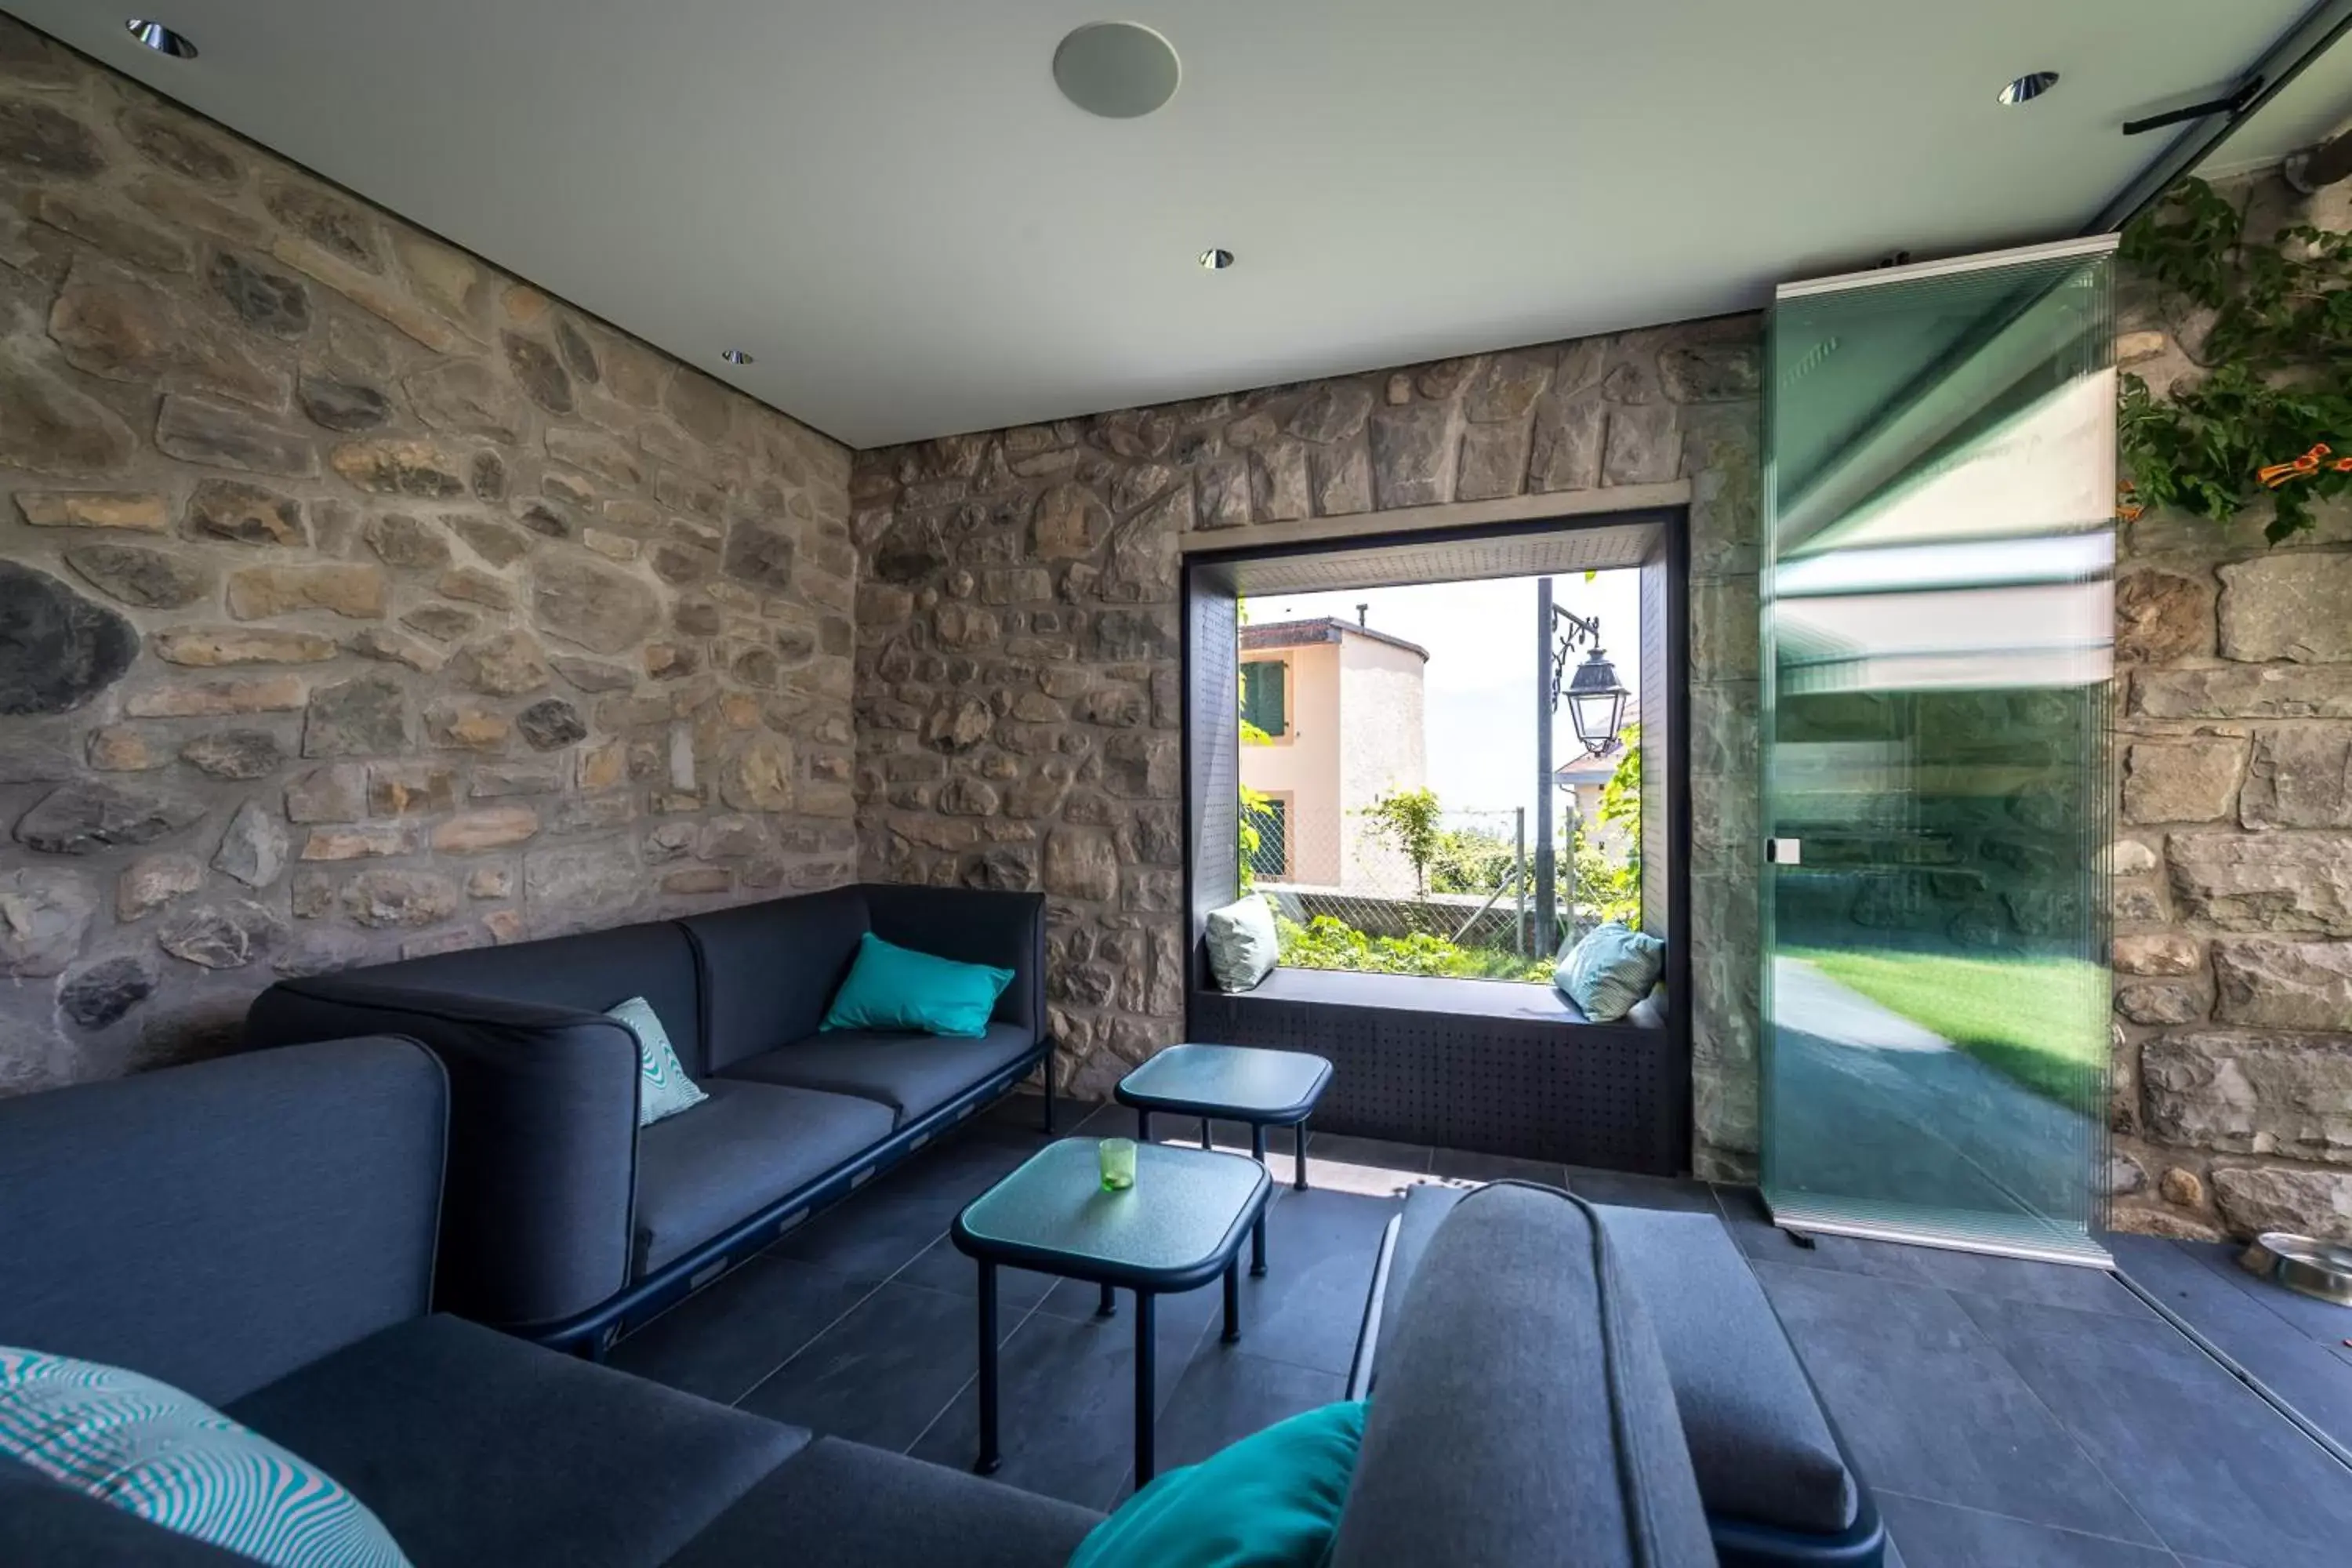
[(2005, 1413)]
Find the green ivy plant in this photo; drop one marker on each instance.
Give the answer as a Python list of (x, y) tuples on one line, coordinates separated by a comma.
[(2277, 354)]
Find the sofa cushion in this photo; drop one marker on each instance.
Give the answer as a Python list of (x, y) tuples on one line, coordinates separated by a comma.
[(843, 1503), (588, 973), (769, 969), (474, 1447), (169, 1458), (911, 1074), (1759, 1441), (219, 1225), (746, 1146), (1523, 1413)]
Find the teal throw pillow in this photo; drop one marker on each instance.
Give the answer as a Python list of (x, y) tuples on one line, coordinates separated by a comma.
[(662, 1087), (1271, 1500), (893, 987), (1611, 969), (174, 1461)]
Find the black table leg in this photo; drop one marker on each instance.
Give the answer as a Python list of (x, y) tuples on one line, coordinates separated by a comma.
[(1300, 1182), (1147, 1379), (1108, 1307), (1258, 1231), (1233, 1299), (1142, 1125), (1205, 1135), (990, 1458)]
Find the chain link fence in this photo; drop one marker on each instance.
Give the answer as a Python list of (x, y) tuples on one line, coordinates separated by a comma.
[(1350, 894)]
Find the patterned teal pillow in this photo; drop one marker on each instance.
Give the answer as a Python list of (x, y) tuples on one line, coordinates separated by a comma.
[(1612, 968), (666, 1089), (177, 1463)]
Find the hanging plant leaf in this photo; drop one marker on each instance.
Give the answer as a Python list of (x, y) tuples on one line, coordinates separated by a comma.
[(2277, 352)]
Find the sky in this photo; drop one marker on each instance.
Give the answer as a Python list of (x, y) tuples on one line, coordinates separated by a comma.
[(1478, 689)]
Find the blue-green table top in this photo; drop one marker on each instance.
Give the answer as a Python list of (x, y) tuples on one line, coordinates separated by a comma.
[(1177, 1228), (1239, 1081)]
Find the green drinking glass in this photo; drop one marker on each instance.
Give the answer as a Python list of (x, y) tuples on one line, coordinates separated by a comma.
[(1116, 1156)]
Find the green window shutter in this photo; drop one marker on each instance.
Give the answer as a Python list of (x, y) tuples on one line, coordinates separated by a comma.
[(1262, 694)]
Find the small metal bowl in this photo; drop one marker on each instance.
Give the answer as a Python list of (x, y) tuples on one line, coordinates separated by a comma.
[(2320, 1269)]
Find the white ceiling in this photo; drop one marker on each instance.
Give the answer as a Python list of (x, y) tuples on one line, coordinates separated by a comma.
[(888, 202)]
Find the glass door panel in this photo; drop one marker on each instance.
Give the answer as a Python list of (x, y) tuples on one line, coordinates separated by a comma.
[(1940, 496)]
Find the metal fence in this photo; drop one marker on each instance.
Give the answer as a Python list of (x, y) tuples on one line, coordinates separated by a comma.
[(1353, 897)]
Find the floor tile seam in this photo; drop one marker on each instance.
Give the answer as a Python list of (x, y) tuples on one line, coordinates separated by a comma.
[(972, 1378), (2098, 1469), (872, 1290), (2239, 1281), (2244, 1376), (2154, 1537), (2142, 1316), (1242, 1347), (2162, 1550)]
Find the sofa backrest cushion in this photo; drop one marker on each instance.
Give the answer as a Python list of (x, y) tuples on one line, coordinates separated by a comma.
[(219, 1225), (1523, 1413), (592, 972), (771, 969)]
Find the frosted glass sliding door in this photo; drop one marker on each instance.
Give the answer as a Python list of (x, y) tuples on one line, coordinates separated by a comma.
[(1937, 612)]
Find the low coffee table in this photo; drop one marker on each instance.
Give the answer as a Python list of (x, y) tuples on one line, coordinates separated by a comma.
[(1240, 1083), (1176, 1230)]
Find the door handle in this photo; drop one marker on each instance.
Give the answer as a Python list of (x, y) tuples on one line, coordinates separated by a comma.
[(1784, 851)]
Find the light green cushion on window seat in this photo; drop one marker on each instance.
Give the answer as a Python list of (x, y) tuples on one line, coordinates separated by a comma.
[(896, 988), (1271, 1500), (1611, 970), (1243, 943)]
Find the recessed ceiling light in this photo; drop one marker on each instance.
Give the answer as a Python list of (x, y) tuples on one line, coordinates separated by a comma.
[(1216, 260), (734, 356), (2028, 87), (160, 39), (1117, 69)]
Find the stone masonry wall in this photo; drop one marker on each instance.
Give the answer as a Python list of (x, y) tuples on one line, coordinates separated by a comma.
[(1018, 691), (356, 600), (2232, 1104)]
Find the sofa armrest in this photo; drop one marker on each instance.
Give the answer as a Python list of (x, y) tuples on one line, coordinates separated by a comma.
[(974, 926), (219, 1225), (542, 1137), (1523, 1413)]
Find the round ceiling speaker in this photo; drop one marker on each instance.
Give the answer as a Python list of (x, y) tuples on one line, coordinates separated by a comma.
[(1119, 70)]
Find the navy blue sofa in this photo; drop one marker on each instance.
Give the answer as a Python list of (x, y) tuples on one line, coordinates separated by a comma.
[(567, 1223), (1779, 1488), (261, 1231)]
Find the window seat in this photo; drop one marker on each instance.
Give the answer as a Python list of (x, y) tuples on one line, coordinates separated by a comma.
[(1519, 1000), (1496, 1066)]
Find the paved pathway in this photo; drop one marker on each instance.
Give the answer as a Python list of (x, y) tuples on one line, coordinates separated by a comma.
[(1871, 1106)]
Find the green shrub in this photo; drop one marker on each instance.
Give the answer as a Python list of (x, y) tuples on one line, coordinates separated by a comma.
[(1326, 941)]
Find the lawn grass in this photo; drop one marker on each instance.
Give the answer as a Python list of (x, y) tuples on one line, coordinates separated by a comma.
[(2035, 1019)]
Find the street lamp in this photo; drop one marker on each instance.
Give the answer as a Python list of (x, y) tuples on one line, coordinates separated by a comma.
[(1596, 698)]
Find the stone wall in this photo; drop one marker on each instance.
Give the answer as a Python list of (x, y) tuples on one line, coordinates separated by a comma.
[(1018, 693), (356, 600), (2233, 867)]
